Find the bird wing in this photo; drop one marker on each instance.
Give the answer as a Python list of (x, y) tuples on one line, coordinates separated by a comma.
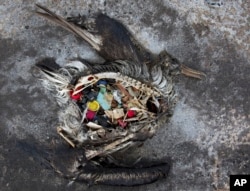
[(94, 40)]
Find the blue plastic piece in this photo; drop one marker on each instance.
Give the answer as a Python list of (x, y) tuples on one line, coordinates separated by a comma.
[(103, 89), (102, 82), (102, 101)]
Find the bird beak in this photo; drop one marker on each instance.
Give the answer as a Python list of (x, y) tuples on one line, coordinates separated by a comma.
[(191, 72)]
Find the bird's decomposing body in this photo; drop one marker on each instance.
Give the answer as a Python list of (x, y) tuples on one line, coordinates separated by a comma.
[(109, 107)]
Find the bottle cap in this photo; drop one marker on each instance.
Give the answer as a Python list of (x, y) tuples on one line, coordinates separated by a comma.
[(90, 115), (131, 113), (93, 105), (102, 83), (76, 96)]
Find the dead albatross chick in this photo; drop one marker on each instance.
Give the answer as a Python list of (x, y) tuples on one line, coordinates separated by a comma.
[(107, 108)]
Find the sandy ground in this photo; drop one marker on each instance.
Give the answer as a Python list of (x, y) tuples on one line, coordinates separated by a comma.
[(208, 136)]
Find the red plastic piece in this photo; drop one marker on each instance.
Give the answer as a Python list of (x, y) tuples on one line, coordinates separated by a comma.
[(131, 113), (122, 123), (90, 115), (77, 96)]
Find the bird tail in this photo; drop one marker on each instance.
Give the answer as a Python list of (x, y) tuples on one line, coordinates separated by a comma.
[(94, 40)]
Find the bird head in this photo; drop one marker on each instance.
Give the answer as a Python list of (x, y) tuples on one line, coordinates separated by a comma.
[(85, 82)]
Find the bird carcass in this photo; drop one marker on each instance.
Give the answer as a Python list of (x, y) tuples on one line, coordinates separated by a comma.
[(109, 107)]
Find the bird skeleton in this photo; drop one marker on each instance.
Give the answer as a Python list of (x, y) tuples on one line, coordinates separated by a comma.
[(144, 80)]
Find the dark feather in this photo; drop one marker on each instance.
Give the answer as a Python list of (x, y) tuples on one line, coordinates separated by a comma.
[(94, 41), (113, 41), (123, 176), (110, 38)]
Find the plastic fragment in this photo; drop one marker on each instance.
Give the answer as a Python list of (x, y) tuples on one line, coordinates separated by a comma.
[(103, 89), (90, 115), (93, 125), (102, 83), (77, 96), (122, 123), (117, 96), (115, 114), (131, 113), (108, 104), (103, 101), (93, 105)]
